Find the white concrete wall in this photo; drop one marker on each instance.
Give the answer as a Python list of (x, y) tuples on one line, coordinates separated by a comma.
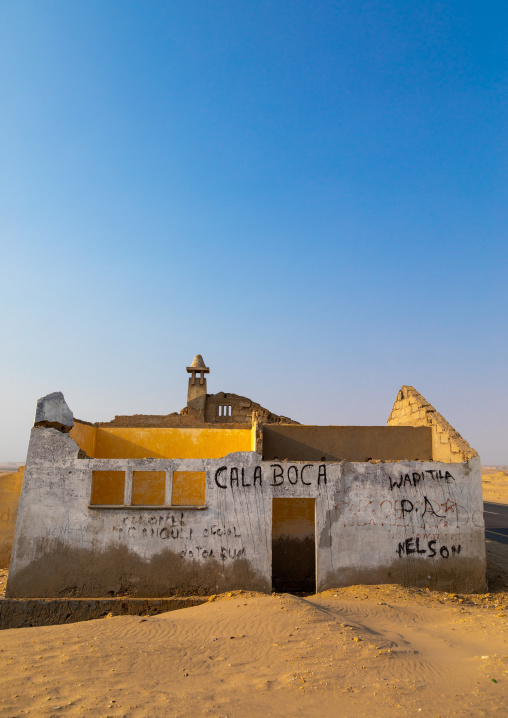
[(427, 531)]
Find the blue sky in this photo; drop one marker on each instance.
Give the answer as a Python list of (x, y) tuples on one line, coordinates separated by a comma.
[(313, 195)]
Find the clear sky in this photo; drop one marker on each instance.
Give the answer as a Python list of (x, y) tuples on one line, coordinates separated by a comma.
[(312, 195)]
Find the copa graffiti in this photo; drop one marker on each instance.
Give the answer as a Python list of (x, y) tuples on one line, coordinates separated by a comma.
[(433, 512), (239, 477)]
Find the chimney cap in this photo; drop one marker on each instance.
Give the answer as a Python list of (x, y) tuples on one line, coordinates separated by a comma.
[(198, 365)]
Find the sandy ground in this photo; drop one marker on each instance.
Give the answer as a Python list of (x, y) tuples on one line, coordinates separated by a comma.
[(363, 650), (495, 485)]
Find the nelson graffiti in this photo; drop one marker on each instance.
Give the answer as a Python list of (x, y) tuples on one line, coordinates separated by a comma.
[(427, 549), (239, 477)]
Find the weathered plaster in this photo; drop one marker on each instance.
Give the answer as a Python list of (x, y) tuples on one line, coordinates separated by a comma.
[(52, 410), (417, 523)]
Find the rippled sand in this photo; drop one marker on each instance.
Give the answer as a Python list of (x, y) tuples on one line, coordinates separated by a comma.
[(380, 651)]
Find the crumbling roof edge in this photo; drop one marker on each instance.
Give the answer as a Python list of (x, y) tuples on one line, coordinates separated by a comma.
[(434, 417)]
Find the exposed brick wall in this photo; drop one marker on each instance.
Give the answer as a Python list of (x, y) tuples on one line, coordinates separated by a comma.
[(242, 409), (412, 409), (241, 416)]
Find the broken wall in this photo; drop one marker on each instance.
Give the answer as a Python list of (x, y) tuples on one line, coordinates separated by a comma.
[(107, 442), (350, 443), (227, 407), (414, 523), (412, 409)]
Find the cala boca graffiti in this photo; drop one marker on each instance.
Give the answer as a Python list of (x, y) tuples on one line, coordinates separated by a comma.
[(239, 477)]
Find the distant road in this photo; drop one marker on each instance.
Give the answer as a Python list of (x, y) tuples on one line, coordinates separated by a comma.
[(496, 522)]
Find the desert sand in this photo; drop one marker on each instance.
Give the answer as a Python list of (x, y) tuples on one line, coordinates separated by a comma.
[(495, 485), (362, 650)]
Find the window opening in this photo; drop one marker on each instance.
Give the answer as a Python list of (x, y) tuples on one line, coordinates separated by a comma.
[(108, 488), (189, 488), (148, 488)]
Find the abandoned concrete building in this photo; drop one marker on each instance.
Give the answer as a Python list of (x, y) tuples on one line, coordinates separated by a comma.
[(227, 495)]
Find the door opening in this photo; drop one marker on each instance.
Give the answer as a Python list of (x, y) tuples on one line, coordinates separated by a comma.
[(293, 545)]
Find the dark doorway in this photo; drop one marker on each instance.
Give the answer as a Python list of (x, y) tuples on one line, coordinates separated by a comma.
[(293, 545)]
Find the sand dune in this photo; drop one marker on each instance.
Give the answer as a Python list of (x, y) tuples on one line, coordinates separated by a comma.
[(495, 485), (348, 652)]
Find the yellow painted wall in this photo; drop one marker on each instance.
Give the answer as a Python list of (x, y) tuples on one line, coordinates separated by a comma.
[(84, 436), (108, 488), (10, 491), (148, 488), (159, 443), (189, 488)]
